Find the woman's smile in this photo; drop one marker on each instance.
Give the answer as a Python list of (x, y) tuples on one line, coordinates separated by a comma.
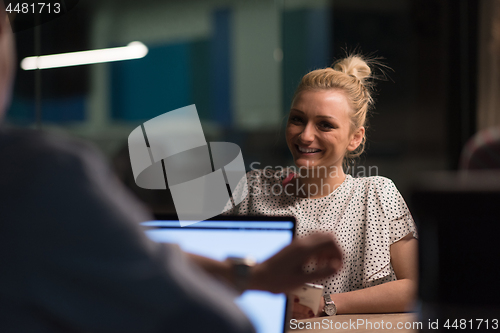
[(307, 150)]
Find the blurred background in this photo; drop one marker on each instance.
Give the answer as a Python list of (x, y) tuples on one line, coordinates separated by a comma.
[(240, 61)]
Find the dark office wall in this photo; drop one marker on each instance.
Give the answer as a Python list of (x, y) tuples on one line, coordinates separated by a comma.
[(425, 111), (63, 90)]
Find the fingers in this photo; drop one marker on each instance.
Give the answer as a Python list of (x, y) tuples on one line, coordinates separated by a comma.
[(300, 311), (321, 246), (323, 251), (317, 243), (321, 306), (322, 271), (287, 265), (301, 315)]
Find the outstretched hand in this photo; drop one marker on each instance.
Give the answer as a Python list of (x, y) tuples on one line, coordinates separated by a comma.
[(284, 271)]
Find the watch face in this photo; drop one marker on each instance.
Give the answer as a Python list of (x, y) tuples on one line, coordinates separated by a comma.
[(330, 309)]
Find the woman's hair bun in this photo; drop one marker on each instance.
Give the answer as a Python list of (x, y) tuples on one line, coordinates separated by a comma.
[(354, 65)]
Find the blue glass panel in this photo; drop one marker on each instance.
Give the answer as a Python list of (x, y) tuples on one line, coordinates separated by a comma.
[(220, 67), (145, 88), (54, 110)]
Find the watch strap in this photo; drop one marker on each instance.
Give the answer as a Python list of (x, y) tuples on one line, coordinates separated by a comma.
[(241, 271)]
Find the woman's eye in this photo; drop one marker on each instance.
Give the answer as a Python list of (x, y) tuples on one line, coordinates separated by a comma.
[(295, 119), (326, 125)]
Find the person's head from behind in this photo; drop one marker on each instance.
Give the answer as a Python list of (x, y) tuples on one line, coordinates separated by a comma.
[(6, 60), (327, 120)]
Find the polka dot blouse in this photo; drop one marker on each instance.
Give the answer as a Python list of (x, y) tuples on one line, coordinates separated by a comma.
[(366, 215)]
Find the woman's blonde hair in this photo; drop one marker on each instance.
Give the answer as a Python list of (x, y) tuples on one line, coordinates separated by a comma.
[(353, 76)]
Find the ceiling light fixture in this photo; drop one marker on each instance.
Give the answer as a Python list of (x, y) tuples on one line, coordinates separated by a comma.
[(134, 50)]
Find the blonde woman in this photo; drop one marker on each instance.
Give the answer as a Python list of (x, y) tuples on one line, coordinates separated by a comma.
[(368, 216)]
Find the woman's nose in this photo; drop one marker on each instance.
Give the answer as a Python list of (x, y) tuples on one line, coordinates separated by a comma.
[(307, 134)]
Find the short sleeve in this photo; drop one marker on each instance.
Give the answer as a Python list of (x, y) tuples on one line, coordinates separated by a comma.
[(388, 220), (396, 212)]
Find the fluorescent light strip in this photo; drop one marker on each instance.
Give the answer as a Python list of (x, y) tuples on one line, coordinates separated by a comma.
[(134, 50)]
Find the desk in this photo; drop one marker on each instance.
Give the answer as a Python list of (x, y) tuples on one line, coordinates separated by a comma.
[(358, 323)]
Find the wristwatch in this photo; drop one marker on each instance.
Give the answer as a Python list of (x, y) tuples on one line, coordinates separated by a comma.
[(330, 308), (241, 271)]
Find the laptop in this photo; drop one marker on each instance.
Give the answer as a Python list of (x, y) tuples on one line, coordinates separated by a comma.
[(259, 237)]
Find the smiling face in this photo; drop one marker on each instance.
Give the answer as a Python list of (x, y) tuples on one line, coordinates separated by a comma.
[(319, 130)]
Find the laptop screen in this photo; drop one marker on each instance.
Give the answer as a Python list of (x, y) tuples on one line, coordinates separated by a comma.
[(259, 238)]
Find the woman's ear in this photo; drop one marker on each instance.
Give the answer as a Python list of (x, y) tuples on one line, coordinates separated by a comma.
[(356, 139)]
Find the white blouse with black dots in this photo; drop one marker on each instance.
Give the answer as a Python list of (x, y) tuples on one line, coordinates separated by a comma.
[(366, 215)]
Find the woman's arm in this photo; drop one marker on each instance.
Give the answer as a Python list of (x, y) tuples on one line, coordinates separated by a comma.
[(394, 296)]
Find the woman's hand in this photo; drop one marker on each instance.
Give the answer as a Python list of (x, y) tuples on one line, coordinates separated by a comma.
[(300, 311), (283, 272)]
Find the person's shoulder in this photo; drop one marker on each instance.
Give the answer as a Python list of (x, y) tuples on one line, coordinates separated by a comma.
[(36, 142), (39, 150), (381, 192), (378, 181), (374, 184)]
